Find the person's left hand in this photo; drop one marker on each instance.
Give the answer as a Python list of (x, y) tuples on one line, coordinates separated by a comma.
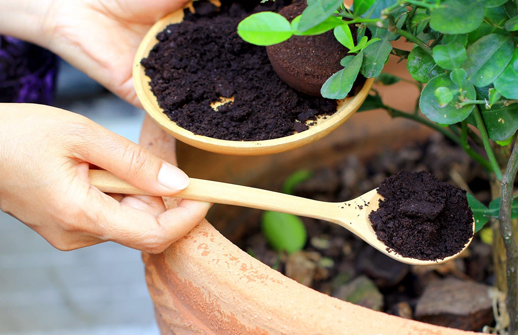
[(100, 37)]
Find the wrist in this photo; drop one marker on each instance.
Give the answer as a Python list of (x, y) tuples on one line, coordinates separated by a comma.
[(25, 20)]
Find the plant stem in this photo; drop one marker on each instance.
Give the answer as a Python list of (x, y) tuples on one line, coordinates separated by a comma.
[(484, 102), (473, 154), (506, 230), (415, 40), (487, 145)]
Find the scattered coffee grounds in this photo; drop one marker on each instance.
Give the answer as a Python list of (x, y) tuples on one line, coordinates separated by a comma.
[(306, 62), (202, 60), (422, 217)]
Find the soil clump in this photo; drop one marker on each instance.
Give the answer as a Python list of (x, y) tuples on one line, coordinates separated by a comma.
[(306, 62), (422, 217)]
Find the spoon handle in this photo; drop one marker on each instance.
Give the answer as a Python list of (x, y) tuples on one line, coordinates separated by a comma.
[(228, 194)]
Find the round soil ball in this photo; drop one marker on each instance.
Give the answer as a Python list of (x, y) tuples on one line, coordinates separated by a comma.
[(306, 62)]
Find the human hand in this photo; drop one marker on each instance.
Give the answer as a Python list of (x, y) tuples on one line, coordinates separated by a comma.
[(99, 37), (45, 155)]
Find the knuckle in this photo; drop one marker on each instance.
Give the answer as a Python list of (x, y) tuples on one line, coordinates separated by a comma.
[(136, 158), (157, 244)]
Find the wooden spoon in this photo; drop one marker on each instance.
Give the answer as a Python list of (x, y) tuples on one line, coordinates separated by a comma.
[(353, 214), (345, 109)]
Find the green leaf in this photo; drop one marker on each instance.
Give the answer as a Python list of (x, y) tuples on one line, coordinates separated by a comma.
[(457, 16), (512, 24), (387, 79), (502, 122), (507, 83), (461, 38), (480, 212), (363, 44), (483, 30), (317, 12), (295, 179), (360, 7), (265, 28), (419, 22), (449, 114), (449, 56), (284, 232), (346, 60), (494, 208), (376, 55), (494, 95), (444, 96), (494, 3), (459, 77), (370, 103), (340, 83), (329, 24), (344, 36), (506, 142), (421, 66), (487, 58), (375, 11), (496, 16), (510, 8)]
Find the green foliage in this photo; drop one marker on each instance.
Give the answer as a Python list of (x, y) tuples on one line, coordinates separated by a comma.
[(507, 83), (284, 232), (481, 213), (295, 179), (317, 12), (340, 83), (447, 113), (421, 66), (362, 6), (457, 16), (487, 58), (464, 51), (265, 28), (450, 56)]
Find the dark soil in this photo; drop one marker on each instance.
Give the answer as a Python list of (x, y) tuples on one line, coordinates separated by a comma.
[(202, 60), (306, 62), (422, 217)]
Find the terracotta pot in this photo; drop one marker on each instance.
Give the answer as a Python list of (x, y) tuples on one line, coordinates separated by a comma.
[(204, 284)]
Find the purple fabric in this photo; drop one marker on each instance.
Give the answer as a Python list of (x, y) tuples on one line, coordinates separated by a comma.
[(27, 72)]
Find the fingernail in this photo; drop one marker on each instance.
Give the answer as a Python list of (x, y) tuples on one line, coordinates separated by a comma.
[(172, 177)]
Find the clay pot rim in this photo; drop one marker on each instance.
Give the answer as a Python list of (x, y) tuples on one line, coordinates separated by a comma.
[(346, 108)]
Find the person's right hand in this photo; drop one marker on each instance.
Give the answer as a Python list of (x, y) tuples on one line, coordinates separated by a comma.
[(45, 155)]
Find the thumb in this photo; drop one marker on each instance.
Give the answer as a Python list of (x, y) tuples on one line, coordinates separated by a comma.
[(128, 161)]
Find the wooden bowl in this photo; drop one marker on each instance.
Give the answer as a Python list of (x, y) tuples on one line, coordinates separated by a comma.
[(346, 108)]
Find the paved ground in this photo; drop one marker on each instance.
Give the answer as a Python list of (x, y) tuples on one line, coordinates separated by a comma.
[(93, 291)]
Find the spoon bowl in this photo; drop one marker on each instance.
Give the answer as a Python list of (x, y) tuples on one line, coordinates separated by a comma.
[(352, 215), (346, 108)]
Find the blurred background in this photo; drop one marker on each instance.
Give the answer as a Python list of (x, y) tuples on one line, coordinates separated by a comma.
[(96, 290)]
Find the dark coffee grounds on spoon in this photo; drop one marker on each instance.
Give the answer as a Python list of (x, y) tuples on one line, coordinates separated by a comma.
[(422, 217)]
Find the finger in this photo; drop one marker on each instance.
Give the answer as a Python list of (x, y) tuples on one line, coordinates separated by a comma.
[(150, 12), (128, 161), (137, 227), (152, 205)]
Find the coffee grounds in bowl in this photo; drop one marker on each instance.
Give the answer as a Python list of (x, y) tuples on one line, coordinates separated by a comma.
[(202, 60), (421, 217)]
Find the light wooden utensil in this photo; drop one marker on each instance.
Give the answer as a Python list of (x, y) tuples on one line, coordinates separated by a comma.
[(352, 215), (346, 108)]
